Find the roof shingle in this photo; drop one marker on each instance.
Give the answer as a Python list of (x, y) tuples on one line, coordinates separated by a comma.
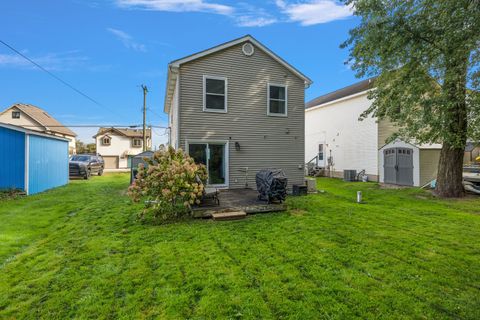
[(341, 93), (43, 118)]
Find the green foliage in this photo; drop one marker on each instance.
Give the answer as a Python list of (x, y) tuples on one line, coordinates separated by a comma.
[(426, 56), (169, 185), (403, 254)]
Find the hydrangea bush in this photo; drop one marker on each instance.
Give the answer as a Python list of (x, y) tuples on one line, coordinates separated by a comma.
[(168, 185)]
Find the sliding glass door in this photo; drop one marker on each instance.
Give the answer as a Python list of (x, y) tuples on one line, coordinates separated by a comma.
[(214, 157)]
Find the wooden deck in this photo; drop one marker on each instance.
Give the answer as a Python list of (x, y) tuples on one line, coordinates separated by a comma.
[(233, 215), (237, 200)]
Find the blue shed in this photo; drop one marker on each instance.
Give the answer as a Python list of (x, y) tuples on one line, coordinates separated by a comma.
[(31, 161)]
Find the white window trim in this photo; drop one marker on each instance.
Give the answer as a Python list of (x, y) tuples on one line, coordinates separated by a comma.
[(205, 109), (273, 114), (109, 141), (135, 145)]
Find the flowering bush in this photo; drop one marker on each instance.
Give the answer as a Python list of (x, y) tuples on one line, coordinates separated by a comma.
[(169, 185)]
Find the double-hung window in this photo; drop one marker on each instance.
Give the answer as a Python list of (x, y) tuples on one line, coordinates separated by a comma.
[(137, 142), (214, 94), (277, 100)]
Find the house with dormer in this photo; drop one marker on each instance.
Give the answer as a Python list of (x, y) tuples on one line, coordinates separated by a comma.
[(118, 145)]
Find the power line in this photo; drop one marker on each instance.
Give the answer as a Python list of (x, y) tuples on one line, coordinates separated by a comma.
[(63, 81), (94, 126), (151, 110), (160, 134), (56, 77), (50, 73)]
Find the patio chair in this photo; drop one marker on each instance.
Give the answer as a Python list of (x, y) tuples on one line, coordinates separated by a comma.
[(209, 193)]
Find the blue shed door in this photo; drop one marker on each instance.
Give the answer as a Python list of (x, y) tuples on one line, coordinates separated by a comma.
[(12, 159), (48, 163)]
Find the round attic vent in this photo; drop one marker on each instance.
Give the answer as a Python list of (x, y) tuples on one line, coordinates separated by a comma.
[(248, 49)]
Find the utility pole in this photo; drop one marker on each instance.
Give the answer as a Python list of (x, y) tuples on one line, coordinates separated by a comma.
[(145, 91)]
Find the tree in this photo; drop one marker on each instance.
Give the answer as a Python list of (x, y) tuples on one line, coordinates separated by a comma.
[(80, 146), (91, 148), (85, 148), (426, 56)]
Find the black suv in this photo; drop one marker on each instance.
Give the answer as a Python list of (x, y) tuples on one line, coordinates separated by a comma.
[(84, 165)]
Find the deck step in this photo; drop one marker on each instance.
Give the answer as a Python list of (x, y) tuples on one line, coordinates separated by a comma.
[(236, 215)]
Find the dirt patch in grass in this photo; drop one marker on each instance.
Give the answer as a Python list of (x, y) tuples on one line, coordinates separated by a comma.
[(297, 212), (393, 186), (10, 194)]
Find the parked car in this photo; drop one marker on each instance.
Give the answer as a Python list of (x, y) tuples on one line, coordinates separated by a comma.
[(84, 165)]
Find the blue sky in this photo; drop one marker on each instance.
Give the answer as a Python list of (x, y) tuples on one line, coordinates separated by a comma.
[(107, 49)]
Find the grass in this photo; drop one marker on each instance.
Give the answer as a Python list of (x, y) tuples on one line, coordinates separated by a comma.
[(78, 252)]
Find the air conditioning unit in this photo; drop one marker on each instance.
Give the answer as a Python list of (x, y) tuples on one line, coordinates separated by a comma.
[(349, 175)]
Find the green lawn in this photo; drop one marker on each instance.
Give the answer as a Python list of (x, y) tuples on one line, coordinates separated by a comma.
[(78, 251)]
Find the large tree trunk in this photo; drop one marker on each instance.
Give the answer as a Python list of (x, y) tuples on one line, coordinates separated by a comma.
[(450, 172), (450, 167)]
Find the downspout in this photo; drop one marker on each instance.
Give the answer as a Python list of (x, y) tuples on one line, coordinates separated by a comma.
[(177, 110)]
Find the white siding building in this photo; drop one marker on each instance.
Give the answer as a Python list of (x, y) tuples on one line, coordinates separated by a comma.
[(334, 128), (118, 145), (337, 140)]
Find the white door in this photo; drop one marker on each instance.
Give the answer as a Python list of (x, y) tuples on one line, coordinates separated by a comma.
[(214, 156), (321, 155)]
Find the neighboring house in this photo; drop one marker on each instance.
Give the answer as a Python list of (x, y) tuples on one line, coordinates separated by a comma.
[(117, 146), (36, 119), (238, 108), (337, 140), (472, 151), (31, 161)]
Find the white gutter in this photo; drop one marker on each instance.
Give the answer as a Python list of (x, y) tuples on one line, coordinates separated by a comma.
[(27, 160)]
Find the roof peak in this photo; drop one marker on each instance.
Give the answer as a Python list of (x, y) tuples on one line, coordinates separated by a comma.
[(42, 117), (175, 64)]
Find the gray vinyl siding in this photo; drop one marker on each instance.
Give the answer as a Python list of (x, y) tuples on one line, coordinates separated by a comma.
[(265, 141)]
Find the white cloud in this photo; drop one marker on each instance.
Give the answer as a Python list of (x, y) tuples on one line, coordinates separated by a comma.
[(253, 21), (314, 11), (249, 15), (127, 40), (51, 61), (177, 6)]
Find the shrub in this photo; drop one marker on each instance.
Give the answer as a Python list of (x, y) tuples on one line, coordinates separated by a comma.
[(168, 185)]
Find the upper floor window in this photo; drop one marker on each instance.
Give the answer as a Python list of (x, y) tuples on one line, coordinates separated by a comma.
[(277, 100), (15, 114), (214, 94), (106, 141), (137, 142)]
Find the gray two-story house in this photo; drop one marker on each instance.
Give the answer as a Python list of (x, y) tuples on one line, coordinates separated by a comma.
[(238, 108)]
